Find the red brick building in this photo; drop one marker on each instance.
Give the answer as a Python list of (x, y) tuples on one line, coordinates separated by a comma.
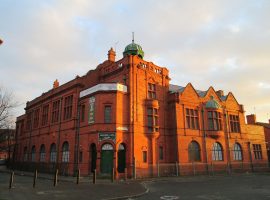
[(125, 114), (251, 119), (7, 141)]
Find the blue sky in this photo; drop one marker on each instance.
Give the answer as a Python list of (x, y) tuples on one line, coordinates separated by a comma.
[(219, 43)]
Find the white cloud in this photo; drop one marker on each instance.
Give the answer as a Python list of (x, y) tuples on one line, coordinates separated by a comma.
[(221, 43)]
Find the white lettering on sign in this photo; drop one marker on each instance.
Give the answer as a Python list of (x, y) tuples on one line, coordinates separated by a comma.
[(91, 113), (104, 87)]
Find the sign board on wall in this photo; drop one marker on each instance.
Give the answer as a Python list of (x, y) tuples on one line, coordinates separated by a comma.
[(104, 87), (106, 136), (91, 113)]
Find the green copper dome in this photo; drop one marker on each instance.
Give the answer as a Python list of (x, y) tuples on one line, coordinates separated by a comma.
[(133, 49), (212, 103)]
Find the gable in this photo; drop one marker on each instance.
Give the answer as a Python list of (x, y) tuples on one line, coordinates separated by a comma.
[(189, 94), (211, 92), (231, 102)]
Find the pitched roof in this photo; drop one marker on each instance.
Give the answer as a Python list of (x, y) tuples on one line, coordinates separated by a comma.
[(201, 93), (176, 88)]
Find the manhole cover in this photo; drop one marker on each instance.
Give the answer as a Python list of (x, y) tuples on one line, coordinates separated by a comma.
[(169, 197)]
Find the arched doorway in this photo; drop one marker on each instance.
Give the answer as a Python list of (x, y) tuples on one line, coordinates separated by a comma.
[(106, 158), (121, 154), (93, 157)]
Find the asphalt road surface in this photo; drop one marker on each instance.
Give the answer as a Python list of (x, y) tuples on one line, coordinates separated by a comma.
[(236, 187)]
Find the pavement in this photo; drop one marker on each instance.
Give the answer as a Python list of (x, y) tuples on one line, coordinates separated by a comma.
[(22, 188)]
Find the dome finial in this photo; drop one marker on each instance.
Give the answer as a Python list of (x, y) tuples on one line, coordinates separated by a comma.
[(133, 49)]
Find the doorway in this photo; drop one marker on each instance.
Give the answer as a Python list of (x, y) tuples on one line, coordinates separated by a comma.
[(93, 157), (106, 158), (121, 154)]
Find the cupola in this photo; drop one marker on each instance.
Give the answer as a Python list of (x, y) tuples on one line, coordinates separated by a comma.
[(212, 104), (133, 49)]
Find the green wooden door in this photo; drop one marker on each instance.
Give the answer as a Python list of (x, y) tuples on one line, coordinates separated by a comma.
[(106, 161)]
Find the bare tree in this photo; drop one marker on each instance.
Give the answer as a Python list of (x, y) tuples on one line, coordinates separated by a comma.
[(7, 104)]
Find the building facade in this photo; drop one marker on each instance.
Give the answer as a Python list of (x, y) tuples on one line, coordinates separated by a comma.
[(125, 116), (251, 119), (7, 141)]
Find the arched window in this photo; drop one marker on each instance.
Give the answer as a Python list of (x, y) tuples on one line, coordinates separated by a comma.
[(53, 153), (237, 152), (121, 154), (25, 154), (42, 153), (33, 154), (65, 152), (217, 153), (107, 147), (194, 151)]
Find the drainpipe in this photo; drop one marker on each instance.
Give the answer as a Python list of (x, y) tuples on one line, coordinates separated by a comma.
[(184, 119), (133, 136), (226, 132), (250, 156), (30, 136), (204, 142), (58, 135), (77, 139)]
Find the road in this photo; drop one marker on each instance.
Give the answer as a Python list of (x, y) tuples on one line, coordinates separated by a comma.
[(236, 187)]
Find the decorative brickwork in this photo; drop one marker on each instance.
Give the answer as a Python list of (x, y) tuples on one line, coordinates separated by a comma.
[(125, 114)]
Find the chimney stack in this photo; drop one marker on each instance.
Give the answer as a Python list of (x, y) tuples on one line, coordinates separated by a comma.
[(55, 84), (111, 55), (251, 119)]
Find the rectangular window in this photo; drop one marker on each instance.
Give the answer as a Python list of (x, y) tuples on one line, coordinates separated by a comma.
[(214, 121), (68, 107), (192, 118), (45, 115), (257, 150), (234, 124), (108, 114), (152, 91), (160, 153), (145, 156), (82, 113), (36, 118), (152, 119), (55, 111)]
